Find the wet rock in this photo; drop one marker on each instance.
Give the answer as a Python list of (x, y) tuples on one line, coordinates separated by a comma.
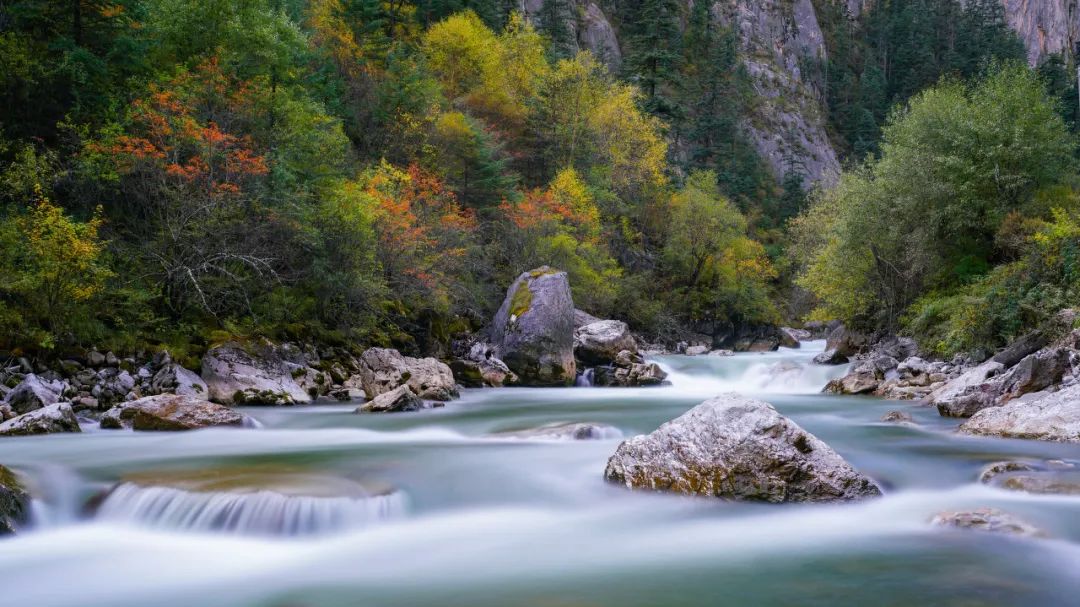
[(479, 368), (831, 357), (942, 398), (1046, 484), (696, 350), (398, 400), (175, 379), (14, 502), (34, 392), (582, 318), (252, 374), (898, 417), (172, 412), (565, 431), (846, 342), (1020, 349), (863, 379), (987, 519), (733, 447), (383, 370), (58, 417), (533, 332), (1051, 417), (629, 373), (998, 468), (600, 342), (1035, 372), (789, 338)]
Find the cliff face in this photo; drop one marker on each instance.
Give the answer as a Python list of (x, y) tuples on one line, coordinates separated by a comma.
[(589, 27), (781, 40), (1046, 26)]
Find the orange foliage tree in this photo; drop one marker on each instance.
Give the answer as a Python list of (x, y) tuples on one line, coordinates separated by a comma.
[(426, 240)]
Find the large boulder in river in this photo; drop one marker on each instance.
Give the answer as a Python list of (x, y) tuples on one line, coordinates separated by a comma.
[(383, 370), (252, 374), (55, 418), (599, 343), (172, 412), (534, 329), (734, 447), (34, 392), (14, 502), (1052, 417)]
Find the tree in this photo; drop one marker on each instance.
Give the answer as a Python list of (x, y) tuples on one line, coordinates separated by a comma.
[(555, 18), (655, 53), (954, 164), (51, 269), (718, 275)]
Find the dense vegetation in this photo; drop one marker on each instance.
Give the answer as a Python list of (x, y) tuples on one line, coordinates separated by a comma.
[(174, 172), (351, 170)]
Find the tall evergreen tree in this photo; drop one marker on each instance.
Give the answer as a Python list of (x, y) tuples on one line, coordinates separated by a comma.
[(555, 19), (655, 54)]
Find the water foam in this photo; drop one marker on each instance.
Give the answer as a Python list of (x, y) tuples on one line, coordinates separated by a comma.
[(259, 512)]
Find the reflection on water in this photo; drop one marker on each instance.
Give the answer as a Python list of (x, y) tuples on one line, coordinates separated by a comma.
[(496, 520)]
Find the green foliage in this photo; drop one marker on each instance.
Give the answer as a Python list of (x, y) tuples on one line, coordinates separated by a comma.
[(898, 48), (51, 272), (1013, 298), (718, 275), (923, 218)]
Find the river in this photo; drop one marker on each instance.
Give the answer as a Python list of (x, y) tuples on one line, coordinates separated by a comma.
[(323, 507)]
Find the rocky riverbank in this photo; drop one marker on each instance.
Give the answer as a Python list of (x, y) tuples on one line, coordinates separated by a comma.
[(1030, 389)]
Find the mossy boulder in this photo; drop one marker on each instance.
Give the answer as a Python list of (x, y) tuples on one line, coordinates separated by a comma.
[(533, 331), (14, 502)]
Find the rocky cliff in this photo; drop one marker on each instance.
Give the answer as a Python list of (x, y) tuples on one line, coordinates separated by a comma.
[(782, 43), (1046, 26)]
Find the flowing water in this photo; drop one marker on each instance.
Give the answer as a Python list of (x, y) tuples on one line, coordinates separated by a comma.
[(322, 507)]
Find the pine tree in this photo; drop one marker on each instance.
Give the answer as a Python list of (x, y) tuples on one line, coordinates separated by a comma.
[(554, 22), (655, 55)]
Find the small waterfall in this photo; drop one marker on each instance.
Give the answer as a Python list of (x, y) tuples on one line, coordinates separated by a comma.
[(258, 512), (585, 380)]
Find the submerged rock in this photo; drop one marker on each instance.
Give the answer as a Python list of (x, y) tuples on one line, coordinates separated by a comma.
[(14, 502), (397, 400), (533, 331), (252, 374), (172, 412), (599, 343), (1053, 477), (1051, 417), (383, 370), (48, 420), (248, 502), (565, 431), (34, 392), (998, 468), (734, 447), (987, 519), (898, 417)]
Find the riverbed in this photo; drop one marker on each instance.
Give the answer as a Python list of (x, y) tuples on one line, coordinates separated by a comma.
[(323, 507)]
